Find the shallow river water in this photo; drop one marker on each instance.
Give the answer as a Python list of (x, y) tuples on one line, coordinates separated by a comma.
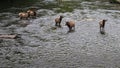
[(42, 45)]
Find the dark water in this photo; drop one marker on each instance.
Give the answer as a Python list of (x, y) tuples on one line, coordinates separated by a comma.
[(42, 45)]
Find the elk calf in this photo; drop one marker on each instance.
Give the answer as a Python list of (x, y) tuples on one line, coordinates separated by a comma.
[(71, 25), (102, 25), (31, 13), (58, 21), (23, 15)]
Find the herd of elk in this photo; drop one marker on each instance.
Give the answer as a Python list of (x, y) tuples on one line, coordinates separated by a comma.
[(28, 14), (69, 24)]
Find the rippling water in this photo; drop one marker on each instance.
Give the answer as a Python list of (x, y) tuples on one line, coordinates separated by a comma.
[(42, 45)]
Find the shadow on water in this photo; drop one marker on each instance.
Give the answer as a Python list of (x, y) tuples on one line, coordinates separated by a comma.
[(70, 31)]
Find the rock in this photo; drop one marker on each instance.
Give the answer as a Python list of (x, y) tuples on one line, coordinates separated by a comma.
[(8, 36)]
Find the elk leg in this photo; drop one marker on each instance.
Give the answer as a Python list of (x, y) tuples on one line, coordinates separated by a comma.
[(56, 24), (70, 28), (59, 25), (20, 17)]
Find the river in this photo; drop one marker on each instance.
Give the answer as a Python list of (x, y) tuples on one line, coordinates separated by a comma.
[(42, 45)]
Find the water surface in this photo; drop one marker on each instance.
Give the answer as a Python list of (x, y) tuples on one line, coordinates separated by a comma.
[(42, 45)]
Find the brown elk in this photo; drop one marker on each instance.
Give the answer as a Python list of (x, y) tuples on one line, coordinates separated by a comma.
[(58, 21), (23, 15), (102, 26), (71, 25), (31, 13)]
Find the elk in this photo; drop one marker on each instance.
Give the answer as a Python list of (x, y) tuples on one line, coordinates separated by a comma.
[(23, 15), (31, 13), (58, 21), (71, 25), (102, 26)]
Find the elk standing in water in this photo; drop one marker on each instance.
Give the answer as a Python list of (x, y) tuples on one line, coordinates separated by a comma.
[(102, 25), (31, 13), (23, 15), (58, 21), (71, 25)]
